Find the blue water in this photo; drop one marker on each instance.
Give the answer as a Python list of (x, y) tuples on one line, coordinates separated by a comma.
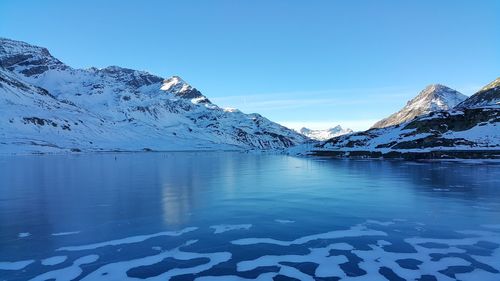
[(385, 220)]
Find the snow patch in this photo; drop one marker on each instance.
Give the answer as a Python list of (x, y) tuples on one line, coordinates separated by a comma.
[(355, 231), (118, 270), (65, 233), (68, 273), (54, 260), (127, 240), (24, 234), (229, 227), (15, 265), (283, 221)]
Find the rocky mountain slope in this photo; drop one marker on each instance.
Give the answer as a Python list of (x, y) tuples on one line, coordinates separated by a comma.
[(433, 98), (488, 96), (49, 106), (324, 134), (470, 130)]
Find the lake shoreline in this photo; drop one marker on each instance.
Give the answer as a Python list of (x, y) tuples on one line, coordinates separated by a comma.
[(424, 155), (436, 155)]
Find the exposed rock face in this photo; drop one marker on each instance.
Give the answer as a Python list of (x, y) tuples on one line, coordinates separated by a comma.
[(47, 106), (433, 98), (132, 78), (27, 59)]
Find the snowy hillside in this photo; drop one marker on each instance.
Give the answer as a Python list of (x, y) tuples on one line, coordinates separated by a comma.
[(433, 98), (471, 131), (49, 106), (488, 96), (324, 134)]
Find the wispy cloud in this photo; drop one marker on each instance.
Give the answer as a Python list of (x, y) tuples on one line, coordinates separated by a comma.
[(305, 99), (281, 104), (278, 105)]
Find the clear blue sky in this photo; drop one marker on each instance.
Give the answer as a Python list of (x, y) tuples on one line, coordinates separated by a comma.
[(313, 62)]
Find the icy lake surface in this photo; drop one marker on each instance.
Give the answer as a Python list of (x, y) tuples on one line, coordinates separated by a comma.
[(236, 216)]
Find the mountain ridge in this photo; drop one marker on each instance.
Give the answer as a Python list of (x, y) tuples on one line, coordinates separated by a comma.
[(488, 96), (119, 109)]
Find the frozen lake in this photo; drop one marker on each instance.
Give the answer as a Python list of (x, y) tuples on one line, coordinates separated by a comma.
[(234, 216)]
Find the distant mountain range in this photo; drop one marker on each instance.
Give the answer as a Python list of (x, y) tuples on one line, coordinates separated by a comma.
[(324, 134), (48, 106), (438, 123)]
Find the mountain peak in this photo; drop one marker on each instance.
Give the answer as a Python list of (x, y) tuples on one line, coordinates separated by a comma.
[(433, 87), (433, 98), (9, 46), (493, 85), (324, 134), (175, 83), (25, 58), (178, 87), (336, 129), (435, 90), (436, 86)]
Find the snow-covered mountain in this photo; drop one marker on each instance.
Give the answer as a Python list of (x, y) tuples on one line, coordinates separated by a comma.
[(324, 134), (433, 98), (49, 106), (470, 130), (488, 96)]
